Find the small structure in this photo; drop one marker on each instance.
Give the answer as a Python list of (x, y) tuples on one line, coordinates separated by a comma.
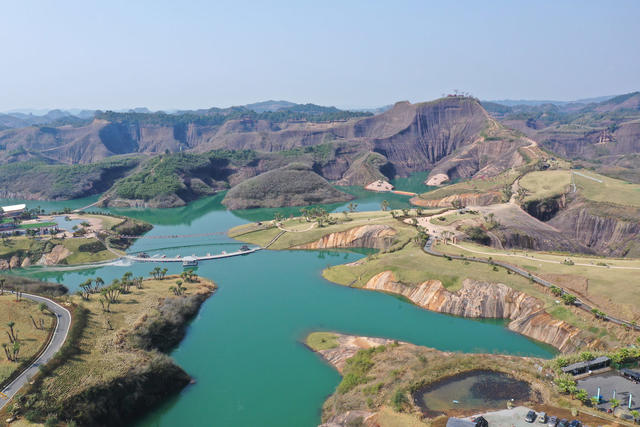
[(629, 374), (13, 210), (189, 261), (585, 367), (462, 422)]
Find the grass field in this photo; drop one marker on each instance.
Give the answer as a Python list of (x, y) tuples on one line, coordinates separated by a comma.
[(610, 190), (79, 257), (264, 235), (545, 184), (451, 218), (472, 186), (613, 284), (551, 183), (30, 338), (321, 340)]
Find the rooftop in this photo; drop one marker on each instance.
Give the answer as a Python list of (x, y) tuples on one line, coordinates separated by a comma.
[(14, 208)]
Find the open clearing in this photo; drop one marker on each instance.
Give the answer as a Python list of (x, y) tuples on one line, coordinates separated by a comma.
[(592, 186)]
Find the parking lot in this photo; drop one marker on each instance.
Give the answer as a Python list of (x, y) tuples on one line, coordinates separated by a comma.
[(608, 382)]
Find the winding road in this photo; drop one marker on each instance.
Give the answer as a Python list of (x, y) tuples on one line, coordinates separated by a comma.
[(63, 323)]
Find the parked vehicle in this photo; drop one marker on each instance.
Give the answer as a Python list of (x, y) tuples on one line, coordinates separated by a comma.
[(530, 417), (553, 420), (575, 423), (563, 423), (542, 417)]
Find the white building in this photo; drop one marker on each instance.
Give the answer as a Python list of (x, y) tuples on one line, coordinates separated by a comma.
[(13, 210)]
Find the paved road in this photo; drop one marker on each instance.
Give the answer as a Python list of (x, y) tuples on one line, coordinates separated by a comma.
[(428, 248), (59, 336)]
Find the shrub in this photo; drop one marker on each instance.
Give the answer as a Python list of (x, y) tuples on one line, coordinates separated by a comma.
[(92, 247)]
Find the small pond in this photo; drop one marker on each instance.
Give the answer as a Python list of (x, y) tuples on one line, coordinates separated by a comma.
[(469, 391)]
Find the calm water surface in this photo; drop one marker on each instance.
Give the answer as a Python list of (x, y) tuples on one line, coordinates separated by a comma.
[(244, 348)]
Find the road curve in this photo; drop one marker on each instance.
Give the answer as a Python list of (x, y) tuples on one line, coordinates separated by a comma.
[(63, 324)]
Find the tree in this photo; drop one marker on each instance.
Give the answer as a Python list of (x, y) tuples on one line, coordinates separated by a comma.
[(2, 282), (582, 395), (569, 299), (86, 289), (556, 291), (507, 192), (178, 290), (635, 414), (614, 403), (352, 207), (13, 337), (384, 205), (457, 203), (163, 273), (155, 273), (594, 401), (98, 284)]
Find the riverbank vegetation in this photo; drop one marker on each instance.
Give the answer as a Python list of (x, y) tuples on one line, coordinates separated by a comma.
[(123, 369)]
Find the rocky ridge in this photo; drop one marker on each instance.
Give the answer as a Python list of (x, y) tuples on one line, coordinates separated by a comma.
[(488, 300), (366, 236)]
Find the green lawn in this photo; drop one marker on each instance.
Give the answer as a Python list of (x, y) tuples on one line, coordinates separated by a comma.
[(545, 184), (78, 257), (37, 225), (322, 341), (610, 190)]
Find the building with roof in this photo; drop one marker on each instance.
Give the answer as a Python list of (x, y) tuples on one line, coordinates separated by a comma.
[(587, 366), (13, 210)]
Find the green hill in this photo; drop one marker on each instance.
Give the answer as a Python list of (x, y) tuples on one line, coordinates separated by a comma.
[(293, 185)]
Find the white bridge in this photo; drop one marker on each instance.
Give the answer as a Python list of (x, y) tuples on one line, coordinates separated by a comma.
[(162, 258)]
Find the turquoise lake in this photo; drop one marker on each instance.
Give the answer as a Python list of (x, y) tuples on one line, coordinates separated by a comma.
[(244, 348)]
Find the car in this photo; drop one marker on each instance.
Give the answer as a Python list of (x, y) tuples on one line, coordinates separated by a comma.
[(563, 423), (575, 423), (530, 417), (553, 420), (542, 417)]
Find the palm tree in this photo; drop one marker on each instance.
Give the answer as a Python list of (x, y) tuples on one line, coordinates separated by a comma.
[(614, 403), (163, 273), (2, 281), (12, 335), (352, 207), (98, 283), (635, 414), (384, 205)]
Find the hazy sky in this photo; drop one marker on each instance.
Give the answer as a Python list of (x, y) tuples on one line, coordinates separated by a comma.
[(196, 54)]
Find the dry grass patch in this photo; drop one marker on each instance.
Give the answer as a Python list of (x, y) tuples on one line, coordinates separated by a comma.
[(31, 339)]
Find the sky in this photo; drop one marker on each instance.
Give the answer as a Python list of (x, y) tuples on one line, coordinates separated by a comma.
[(198, 54)]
